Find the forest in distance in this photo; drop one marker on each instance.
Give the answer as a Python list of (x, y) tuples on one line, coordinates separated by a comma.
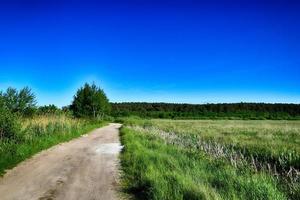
[(242, 110), (255, 111)]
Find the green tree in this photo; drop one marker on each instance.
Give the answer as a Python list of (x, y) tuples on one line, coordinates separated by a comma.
[(21, 102), (26, 101), (48, 109), (90, 101)]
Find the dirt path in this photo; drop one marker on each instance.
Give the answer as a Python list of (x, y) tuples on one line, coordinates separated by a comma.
[(85, 169)]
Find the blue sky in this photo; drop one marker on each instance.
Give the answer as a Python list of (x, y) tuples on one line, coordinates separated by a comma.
[(166, 51)]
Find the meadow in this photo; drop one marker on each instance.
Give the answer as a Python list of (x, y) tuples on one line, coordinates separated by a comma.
[(211, 159), (41, 132)]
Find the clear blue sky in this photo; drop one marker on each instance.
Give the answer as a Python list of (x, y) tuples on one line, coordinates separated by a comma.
[(166, 51)]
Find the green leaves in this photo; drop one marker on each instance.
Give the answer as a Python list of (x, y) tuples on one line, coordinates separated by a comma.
[(21, 102), (90, 101), (9, 125)]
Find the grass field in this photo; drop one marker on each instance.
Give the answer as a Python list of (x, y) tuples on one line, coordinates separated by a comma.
[(207, 159), (41, 132)]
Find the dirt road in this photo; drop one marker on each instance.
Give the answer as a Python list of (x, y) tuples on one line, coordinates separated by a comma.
[(85, 169)]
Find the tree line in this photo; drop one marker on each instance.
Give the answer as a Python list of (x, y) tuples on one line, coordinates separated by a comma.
[(90, 101), (207, 111)]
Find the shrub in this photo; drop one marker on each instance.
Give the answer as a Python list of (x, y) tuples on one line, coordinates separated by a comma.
[(48, 109), (9, 124)]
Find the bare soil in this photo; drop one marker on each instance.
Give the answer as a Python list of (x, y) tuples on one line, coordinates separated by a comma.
[(85, 168)]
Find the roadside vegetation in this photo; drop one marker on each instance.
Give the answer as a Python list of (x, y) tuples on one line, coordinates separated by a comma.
[(26, 129), (211, 159)]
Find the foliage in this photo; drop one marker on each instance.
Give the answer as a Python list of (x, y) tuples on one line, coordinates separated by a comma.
[(208, 111), (48, 109), (90, 101), (21, 102), (9, 125)]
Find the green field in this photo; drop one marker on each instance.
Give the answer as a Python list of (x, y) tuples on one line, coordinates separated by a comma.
[(211, 159)]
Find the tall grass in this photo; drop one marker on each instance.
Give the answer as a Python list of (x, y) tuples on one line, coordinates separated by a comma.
[(41, 133), (265, 149), (154, 169), (276, 142)]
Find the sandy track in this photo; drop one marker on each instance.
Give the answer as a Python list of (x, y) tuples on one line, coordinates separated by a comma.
[(85, 169)]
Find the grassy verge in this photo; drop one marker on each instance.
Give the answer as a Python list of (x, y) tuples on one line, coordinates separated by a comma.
[(39, 134), (236, 151), (155, 169)]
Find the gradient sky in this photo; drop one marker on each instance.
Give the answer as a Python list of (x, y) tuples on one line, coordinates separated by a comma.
[(166, 51)]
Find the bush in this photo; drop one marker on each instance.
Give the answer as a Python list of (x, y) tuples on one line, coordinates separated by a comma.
[(9, 124), (48, 109)]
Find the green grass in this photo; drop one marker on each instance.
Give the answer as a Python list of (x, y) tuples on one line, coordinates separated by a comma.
[(275, 142), (206, 159), (41, 133)]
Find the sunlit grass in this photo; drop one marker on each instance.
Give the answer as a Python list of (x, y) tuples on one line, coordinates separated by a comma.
[(154, 169), (266, 150), (276, 137), (44, 120)]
